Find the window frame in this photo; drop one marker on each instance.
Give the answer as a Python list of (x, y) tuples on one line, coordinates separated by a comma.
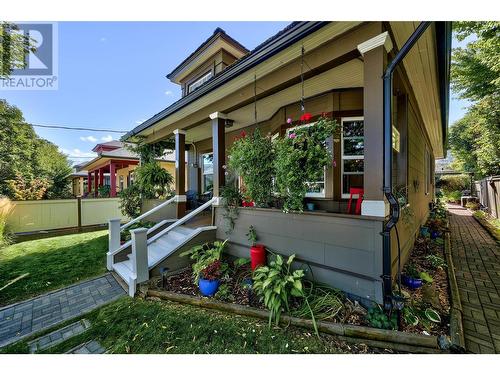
[(311, 194), (203, 191), (199, 81), (349, 157)]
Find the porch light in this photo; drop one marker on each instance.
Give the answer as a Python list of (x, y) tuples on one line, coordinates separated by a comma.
[(229, 123), (164, 272)]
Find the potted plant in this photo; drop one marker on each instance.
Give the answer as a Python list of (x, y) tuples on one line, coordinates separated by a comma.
[(257, 251), (209, 280), (411, 278)]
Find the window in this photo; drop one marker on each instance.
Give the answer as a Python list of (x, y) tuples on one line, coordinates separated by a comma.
[(427, 169), (207, 172), (314, 188), (120, 183), (200, 81), (400, 147), (352, 153)]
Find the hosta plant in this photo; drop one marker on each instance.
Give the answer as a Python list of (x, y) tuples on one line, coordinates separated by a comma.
[(277, 284)]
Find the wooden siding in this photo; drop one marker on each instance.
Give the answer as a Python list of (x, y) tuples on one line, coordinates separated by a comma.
[(342, 251)]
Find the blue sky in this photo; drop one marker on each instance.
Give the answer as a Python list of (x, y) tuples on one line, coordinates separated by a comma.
[(112, 76)]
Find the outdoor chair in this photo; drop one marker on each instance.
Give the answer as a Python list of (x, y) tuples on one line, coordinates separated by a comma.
[(352, 192)]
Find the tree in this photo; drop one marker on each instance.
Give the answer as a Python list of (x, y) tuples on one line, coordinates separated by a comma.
[(475, 139), (24, 154), (14, 47)]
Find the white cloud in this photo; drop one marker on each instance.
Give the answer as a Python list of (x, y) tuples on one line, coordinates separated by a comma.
[(75, 153), (168, 93), (89, 138), (139, 122), (107, 138), (103, 39)]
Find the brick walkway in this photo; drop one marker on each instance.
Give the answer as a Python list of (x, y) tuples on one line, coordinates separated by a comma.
[(476, 256), (31, 316)]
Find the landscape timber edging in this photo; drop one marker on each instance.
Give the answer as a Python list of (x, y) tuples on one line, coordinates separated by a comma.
[(456, 322), (380, 338), (487, 226)]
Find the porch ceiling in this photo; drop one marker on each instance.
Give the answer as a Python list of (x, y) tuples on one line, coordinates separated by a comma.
[(348, 75), (422, 69)]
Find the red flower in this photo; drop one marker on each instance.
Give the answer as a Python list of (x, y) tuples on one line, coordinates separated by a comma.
[(243, 134), (306, 117)]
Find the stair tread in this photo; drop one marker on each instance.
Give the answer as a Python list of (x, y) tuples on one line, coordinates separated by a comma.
[(124, 269)]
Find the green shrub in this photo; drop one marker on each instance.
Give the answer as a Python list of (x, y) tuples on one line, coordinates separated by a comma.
[(452, 197), (451, 183), (104, 191), (204, 255), (6, 207), (130, 201)]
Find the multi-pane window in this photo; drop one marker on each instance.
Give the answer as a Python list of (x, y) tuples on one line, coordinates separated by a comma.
[(314, 188), (353, 148), (200, 81), (207, 172)]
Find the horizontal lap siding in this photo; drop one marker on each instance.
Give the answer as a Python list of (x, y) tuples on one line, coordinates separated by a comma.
[(419, 201), (349, 248)]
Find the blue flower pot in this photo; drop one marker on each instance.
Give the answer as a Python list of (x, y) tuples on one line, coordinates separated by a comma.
[(208, 287), (435, 234), (411, 282), (310, 206), (424, 231)]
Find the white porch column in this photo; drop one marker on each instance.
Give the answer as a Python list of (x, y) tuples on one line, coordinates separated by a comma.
[(219, 150), (113, 241), (374, 53)]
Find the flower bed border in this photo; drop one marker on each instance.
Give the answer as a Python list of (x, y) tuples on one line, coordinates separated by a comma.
[(380, 338), (486, 225), (456, 322)]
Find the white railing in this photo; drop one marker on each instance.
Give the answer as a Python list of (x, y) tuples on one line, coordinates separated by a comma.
[(148, 213), (115, 230), (182, 220)]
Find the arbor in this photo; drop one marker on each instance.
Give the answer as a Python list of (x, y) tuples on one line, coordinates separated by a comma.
[(475, 139)]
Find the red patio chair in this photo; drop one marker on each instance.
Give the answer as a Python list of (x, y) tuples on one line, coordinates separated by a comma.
[(359, 192)]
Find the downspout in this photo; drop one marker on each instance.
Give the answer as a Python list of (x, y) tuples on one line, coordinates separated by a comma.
[(393, 203)]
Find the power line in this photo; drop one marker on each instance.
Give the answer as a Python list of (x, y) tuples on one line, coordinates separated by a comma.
[(79, 128)]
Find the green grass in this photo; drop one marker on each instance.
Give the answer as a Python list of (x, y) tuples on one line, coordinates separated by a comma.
[(51, 263), (138, 326), (493, 223)]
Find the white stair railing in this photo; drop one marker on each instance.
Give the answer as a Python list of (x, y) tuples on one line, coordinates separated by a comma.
[(139, 259), (182, 220), (115, 230)]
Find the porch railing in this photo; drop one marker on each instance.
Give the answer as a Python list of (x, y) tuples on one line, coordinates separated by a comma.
[(115, 231)]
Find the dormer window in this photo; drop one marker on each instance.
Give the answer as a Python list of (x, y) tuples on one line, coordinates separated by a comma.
[(200, 81)]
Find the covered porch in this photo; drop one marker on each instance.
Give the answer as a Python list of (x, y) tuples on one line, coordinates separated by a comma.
[(108, 172)]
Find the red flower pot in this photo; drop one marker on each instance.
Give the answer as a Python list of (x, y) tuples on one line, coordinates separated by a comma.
[(257, 256)]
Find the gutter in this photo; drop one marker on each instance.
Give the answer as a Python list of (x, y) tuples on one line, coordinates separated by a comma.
[(394, 205), (298, 32)]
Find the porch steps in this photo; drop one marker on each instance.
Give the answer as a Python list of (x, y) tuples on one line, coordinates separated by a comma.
[(159, 248), (150, 248)]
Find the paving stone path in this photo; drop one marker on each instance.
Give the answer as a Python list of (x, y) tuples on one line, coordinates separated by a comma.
[(91, 347), (56, 337), (39, 313), (476, 257)]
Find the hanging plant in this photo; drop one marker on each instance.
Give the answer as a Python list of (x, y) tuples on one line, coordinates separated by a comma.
[(301, 156), (251, 156)]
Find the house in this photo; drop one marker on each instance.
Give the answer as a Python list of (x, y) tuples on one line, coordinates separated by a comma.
[(79, 181), (386, 83), (114, 167)]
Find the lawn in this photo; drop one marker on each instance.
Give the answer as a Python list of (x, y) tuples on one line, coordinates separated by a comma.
[(50, 264), (145, 326)]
